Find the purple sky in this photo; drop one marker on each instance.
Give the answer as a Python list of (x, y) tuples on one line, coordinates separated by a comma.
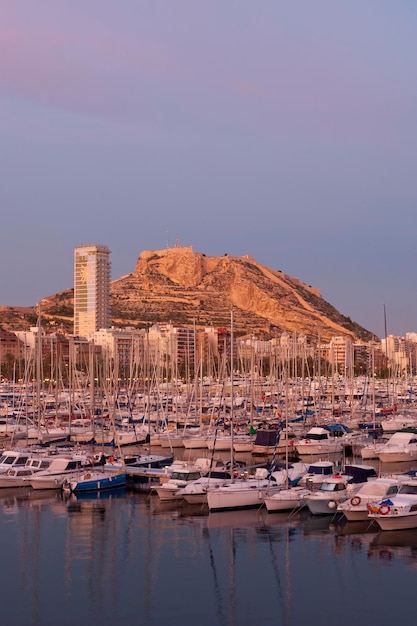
[(282, 130)]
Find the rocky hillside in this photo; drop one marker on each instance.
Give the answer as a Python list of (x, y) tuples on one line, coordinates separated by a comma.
[(181, 286)]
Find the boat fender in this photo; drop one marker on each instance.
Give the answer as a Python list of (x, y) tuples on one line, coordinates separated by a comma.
[(384, 509), (307, 441), (355, 501)]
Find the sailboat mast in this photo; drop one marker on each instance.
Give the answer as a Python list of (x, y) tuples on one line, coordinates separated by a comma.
[(386, 352), (231, 388)]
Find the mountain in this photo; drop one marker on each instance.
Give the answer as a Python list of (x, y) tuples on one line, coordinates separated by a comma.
[(181, 286), (184, 287)]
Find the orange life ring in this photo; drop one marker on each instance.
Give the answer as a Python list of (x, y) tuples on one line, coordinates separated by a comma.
[(384, 509), (355, 501), (292, 442), (111, 459)]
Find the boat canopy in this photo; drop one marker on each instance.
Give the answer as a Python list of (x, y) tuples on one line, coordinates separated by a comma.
[(266, 437), (360, 473)]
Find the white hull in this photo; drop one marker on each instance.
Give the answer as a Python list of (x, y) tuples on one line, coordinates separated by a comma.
[(287, 499), (323, 506), (13, 482), (394, 424), (358, 514), (47, 482), (397, 457), (103, 438), (167, 495), (239, 495), (400, 511), (194, 443), (242, 446), (370, 452), (224, 443), (196, 498), (82, 437), (397, 522), (262, 450), (171, 442), (196, 491), (307, 449)]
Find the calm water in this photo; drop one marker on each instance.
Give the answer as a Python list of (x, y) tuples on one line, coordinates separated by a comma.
[(126, 560)]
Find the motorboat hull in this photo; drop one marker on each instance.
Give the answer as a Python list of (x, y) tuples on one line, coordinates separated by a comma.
[(91, 482), (239, 495), (396, 522), (287, 499)]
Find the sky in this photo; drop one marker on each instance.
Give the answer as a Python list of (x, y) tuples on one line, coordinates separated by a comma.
[(283, 130)]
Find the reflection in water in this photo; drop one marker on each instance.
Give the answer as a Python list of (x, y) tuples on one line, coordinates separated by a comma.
[(395, 544), (121, 558)]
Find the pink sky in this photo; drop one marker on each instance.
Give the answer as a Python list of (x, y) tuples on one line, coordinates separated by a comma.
[(299, 117)]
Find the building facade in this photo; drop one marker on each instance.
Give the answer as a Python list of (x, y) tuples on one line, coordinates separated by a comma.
[(91, 289)]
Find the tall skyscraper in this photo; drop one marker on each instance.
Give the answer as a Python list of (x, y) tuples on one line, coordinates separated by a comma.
[(91, 289)]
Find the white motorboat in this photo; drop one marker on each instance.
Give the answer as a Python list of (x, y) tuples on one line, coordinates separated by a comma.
[(402, 446), (319, 440), (246, 491), (396, 422), (61, 468), (371, 450), (332, 491), (317, 472), (398, 512), (14, 458), (374, 490), (195, 492), (180, 474), (287, 499), (16, 477)]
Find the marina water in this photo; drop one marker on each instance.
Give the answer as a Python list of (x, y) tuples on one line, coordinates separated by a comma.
[(125, 559)]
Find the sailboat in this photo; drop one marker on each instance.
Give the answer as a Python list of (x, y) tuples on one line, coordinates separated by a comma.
[(292, 496), (246, 490)]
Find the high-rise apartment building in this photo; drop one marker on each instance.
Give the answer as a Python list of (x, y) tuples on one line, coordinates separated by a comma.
[(91, 289)]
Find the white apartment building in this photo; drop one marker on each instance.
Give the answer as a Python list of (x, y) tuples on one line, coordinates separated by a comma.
[(91, 289)]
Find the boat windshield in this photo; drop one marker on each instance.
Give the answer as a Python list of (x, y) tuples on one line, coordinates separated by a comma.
[(332, 487), (185, 475), (10, 460), (411, 489), (22, 460), (318, 436)]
